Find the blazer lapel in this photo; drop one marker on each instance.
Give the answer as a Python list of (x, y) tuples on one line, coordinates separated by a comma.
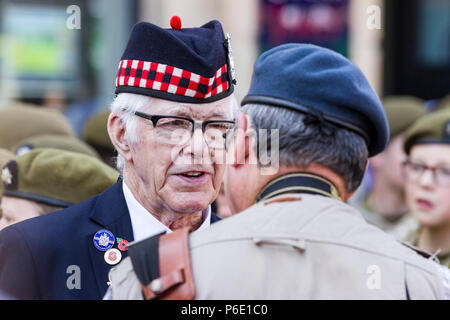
[(215, 218), (110, 212)]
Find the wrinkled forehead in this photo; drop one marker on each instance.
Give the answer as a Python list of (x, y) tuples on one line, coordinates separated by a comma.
[(221, 109)]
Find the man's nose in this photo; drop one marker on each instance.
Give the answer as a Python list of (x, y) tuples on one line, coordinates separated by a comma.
[(197, 147), (427, 179)]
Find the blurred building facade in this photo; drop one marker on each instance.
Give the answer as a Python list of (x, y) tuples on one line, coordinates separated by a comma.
[(402, 46), (49, 57)]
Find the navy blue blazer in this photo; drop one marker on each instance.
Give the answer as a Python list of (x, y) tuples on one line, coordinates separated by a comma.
[(53, 256)]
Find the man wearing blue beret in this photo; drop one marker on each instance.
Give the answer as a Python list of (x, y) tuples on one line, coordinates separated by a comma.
[(295, 237), (168, 122)]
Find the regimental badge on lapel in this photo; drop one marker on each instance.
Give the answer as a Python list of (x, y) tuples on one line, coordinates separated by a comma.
[(104, 240)]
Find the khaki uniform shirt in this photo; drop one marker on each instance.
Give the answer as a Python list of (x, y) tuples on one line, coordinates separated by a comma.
[(315, 248)]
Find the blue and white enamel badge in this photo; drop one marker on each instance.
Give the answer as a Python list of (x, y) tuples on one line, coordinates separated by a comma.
[(104, 240)]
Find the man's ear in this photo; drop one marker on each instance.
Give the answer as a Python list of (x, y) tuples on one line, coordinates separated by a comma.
[(118, 136), (376, 162), (241, 143), (350, 194)]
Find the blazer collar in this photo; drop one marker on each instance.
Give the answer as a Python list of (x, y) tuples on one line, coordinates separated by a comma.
[(110, 206)]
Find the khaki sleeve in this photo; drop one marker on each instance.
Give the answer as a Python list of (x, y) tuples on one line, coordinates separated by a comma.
[(445, 274), (425, 285)]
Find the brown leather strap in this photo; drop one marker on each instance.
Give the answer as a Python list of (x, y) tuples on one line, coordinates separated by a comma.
[(176, 281), (162, 284)]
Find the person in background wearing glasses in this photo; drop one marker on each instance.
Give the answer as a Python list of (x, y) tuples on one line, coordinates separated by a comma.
[(382, 202), (427, 173), (168, 123)]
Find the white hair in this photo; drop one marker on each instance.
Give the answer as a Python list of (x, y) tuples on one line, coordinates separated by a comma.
[(126, 104)]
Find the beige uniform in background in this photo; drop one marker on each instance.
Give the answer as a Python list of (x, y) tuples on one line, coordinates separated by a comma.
[(314, 248), (400, 227)]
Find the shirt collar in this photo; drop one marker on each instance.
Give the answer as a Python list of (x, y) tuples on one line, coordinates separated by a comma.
[(298, 182), (144, 224)]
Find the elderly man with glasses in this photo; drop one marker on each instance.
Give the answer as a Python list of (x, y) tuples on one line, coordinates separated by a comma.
[(168, 123)]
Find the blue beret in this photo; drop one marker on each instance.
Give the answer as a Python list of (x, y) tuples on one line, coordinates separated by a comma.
[(318, 81), (186, 64)]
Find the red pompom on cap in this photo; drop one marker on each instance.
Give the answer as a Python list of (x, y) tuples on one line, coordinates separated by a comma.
[(175, 23)]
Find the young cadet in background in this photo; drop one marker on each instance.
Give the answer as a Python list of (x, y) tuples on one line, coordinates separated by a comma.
[(383, 204), (427, 172)]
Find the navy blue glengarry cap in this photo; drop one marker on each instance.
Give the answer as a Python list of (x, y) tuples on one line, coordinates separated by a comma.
[(191, 65), (315, 80)]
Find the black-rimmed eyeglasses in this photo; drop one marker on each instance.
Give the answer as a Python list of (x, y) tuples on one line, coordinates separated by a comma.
[(179, 130), (415, 170)]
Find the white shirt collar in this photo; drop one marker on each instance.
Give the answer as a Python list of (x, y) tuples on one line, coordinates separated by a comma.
[(144, 224)]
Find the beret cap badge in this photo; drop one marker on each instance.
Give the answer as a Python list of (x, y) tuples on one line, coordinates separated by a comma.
[(9, 176), (175, 22)]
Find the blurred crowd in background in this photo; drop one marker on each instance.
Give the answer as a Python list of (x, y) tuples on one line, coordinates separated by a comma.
[(58, 61)]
